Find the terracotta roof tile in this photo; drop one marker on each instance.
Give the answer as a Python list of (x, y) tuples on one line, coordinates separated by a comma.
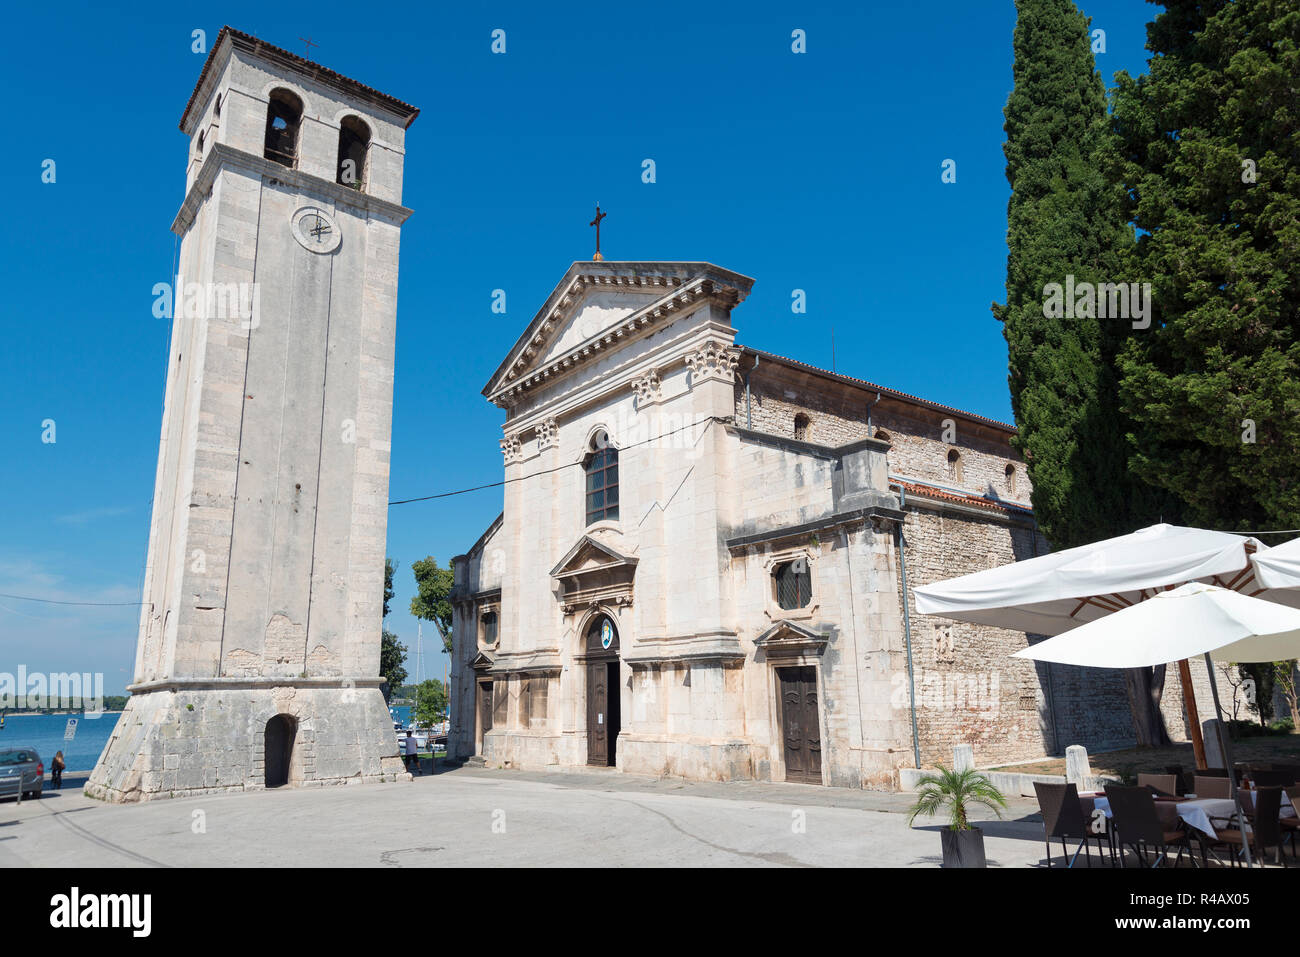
[(884, 390), (964, 498)]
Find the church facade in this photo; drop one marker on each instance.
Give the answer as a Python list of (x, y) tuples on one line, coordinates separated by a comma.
[(704, 562)]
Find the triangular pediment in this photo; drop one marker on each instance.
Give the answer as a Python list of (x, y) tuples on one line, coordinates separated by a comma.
[(787, 639), (589, 555), (598, 306)]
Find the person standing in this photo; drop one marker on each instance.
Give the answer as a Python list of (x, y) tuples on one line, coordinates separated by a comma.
[(56, 770), (411, 753)]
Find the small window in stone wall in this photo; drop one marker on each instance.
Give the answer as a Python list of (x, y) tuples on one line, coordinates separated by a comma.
[(801, 424), (1011, 479), (793, 584), (490, 628), (954, 465), (883, 436)]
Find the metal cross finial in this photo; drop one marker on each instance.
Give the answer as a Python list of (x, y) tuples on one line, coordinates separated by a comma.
[(310, 44), (596, 222)]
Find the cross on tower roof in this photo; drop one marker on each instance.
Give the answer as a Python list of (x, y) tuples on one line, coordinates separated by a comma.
[(310, 44), (596, 222)]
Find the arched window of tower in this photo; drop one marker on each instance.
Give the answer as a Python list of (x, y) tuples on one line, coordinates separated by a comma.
[(354, 149), (283, 117)]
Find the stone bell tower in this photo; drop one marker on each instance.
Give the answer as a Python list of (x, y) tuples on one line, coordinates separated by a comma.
[(257, 660)]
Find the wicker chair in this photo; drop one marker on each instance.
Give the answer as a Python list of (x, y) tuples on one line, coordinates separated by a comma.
[(1265, 831), (1138, 826), (1166, 784), (1063, 818), (1205, 787)]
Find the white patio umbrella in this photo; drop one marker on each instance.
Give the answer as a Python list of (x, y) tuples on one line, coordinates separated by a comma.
[(1189, 621), (1193, 619), (1059, 591), (1062, 590), (1279, 567)]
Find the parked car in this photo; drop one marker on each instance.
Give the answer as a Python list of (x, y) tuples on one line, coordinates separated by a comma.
[(22, 772)]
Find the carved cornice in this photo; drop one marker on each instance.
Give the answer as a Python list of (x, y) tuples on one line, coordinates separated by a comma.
[(590, 599), (521, 375), (648, 389), (714, 360), (548, 433)]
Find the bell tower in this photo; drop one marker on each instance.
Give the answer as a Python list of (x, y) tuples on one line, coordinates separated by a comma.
[(257, 659)]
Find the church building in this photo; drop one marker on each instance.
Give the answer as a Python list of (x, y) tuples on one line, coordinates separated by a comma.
[(704, 562)]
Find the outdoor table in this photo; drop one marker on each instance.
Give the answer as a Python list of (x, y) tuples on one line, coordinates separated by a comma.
[(1197, 812)]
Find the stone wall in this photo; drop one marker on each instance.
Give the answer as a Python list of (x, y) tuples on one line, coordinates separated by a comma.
[(969, 688), (837, 414)]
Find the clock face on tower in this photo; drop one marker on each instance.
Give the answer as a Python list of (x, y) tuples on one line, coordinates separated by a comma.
[(316, 230)]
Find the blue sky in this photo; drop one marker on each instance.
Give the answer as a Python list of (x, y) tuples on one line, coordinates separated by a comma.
[(818, 171)]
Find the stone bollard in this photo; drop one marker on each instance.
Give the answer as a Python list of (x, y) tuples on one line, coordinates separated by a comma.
[(963, 758), (1078, 771), (1213, 746)]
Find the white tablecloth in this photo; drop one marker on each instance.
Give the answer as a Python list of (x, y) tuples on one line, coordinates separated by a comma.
[(1199, 812)]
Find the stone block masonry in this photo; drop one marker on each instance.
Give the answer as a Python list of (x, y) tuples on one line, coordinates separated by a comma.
[(257, 657)]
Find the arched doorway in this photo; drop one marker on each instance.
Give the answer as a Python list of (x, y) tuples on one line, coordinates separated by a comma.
[(603, 698), (280, 733)]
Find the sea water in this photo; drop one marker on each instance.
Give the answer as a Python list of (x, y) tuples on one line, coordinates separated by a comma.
[(44, 733)]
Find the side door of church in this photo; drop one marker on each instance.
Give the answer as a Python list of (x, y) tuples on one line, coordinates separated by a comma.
[(800, 724), (484, 712), (597, 713)]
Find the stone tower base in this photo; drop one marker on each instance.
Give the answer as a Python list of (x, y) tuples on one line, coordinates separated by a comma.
[(190, 737)]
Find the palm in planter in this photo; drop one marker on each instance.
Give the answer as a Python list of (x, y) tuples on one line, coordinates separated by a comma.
[(963, 845)]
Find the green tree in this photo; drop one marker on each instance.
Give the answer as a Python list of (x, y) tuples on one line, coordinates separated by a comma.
[(430, 702), (1066, 218), (1210, 139), (392, 657), (390, 567), (433, 586), (1284, 679)]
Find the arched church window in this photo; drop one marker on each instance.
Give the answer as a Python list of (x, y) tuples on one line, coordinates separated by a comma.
[(801, 424), (883, 436), (216, 110), (1011, 479), (601, 467), (201, 137), (793, 584), (954, 463), (354, 148), (283, 117)]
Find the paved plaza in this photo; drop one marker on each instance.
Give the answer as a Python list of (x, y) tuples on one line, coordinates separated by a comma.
[(483, 817)]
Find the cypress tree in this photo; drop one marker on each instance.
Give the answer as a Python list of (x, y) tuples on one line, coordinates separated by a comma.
[(1066, 218), (1210, 156)]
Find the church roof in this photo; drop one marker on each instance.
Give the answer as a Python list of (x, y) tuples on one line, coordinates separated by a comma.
[(301, 66), (883, 390), (962, 498), (673, 279)]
